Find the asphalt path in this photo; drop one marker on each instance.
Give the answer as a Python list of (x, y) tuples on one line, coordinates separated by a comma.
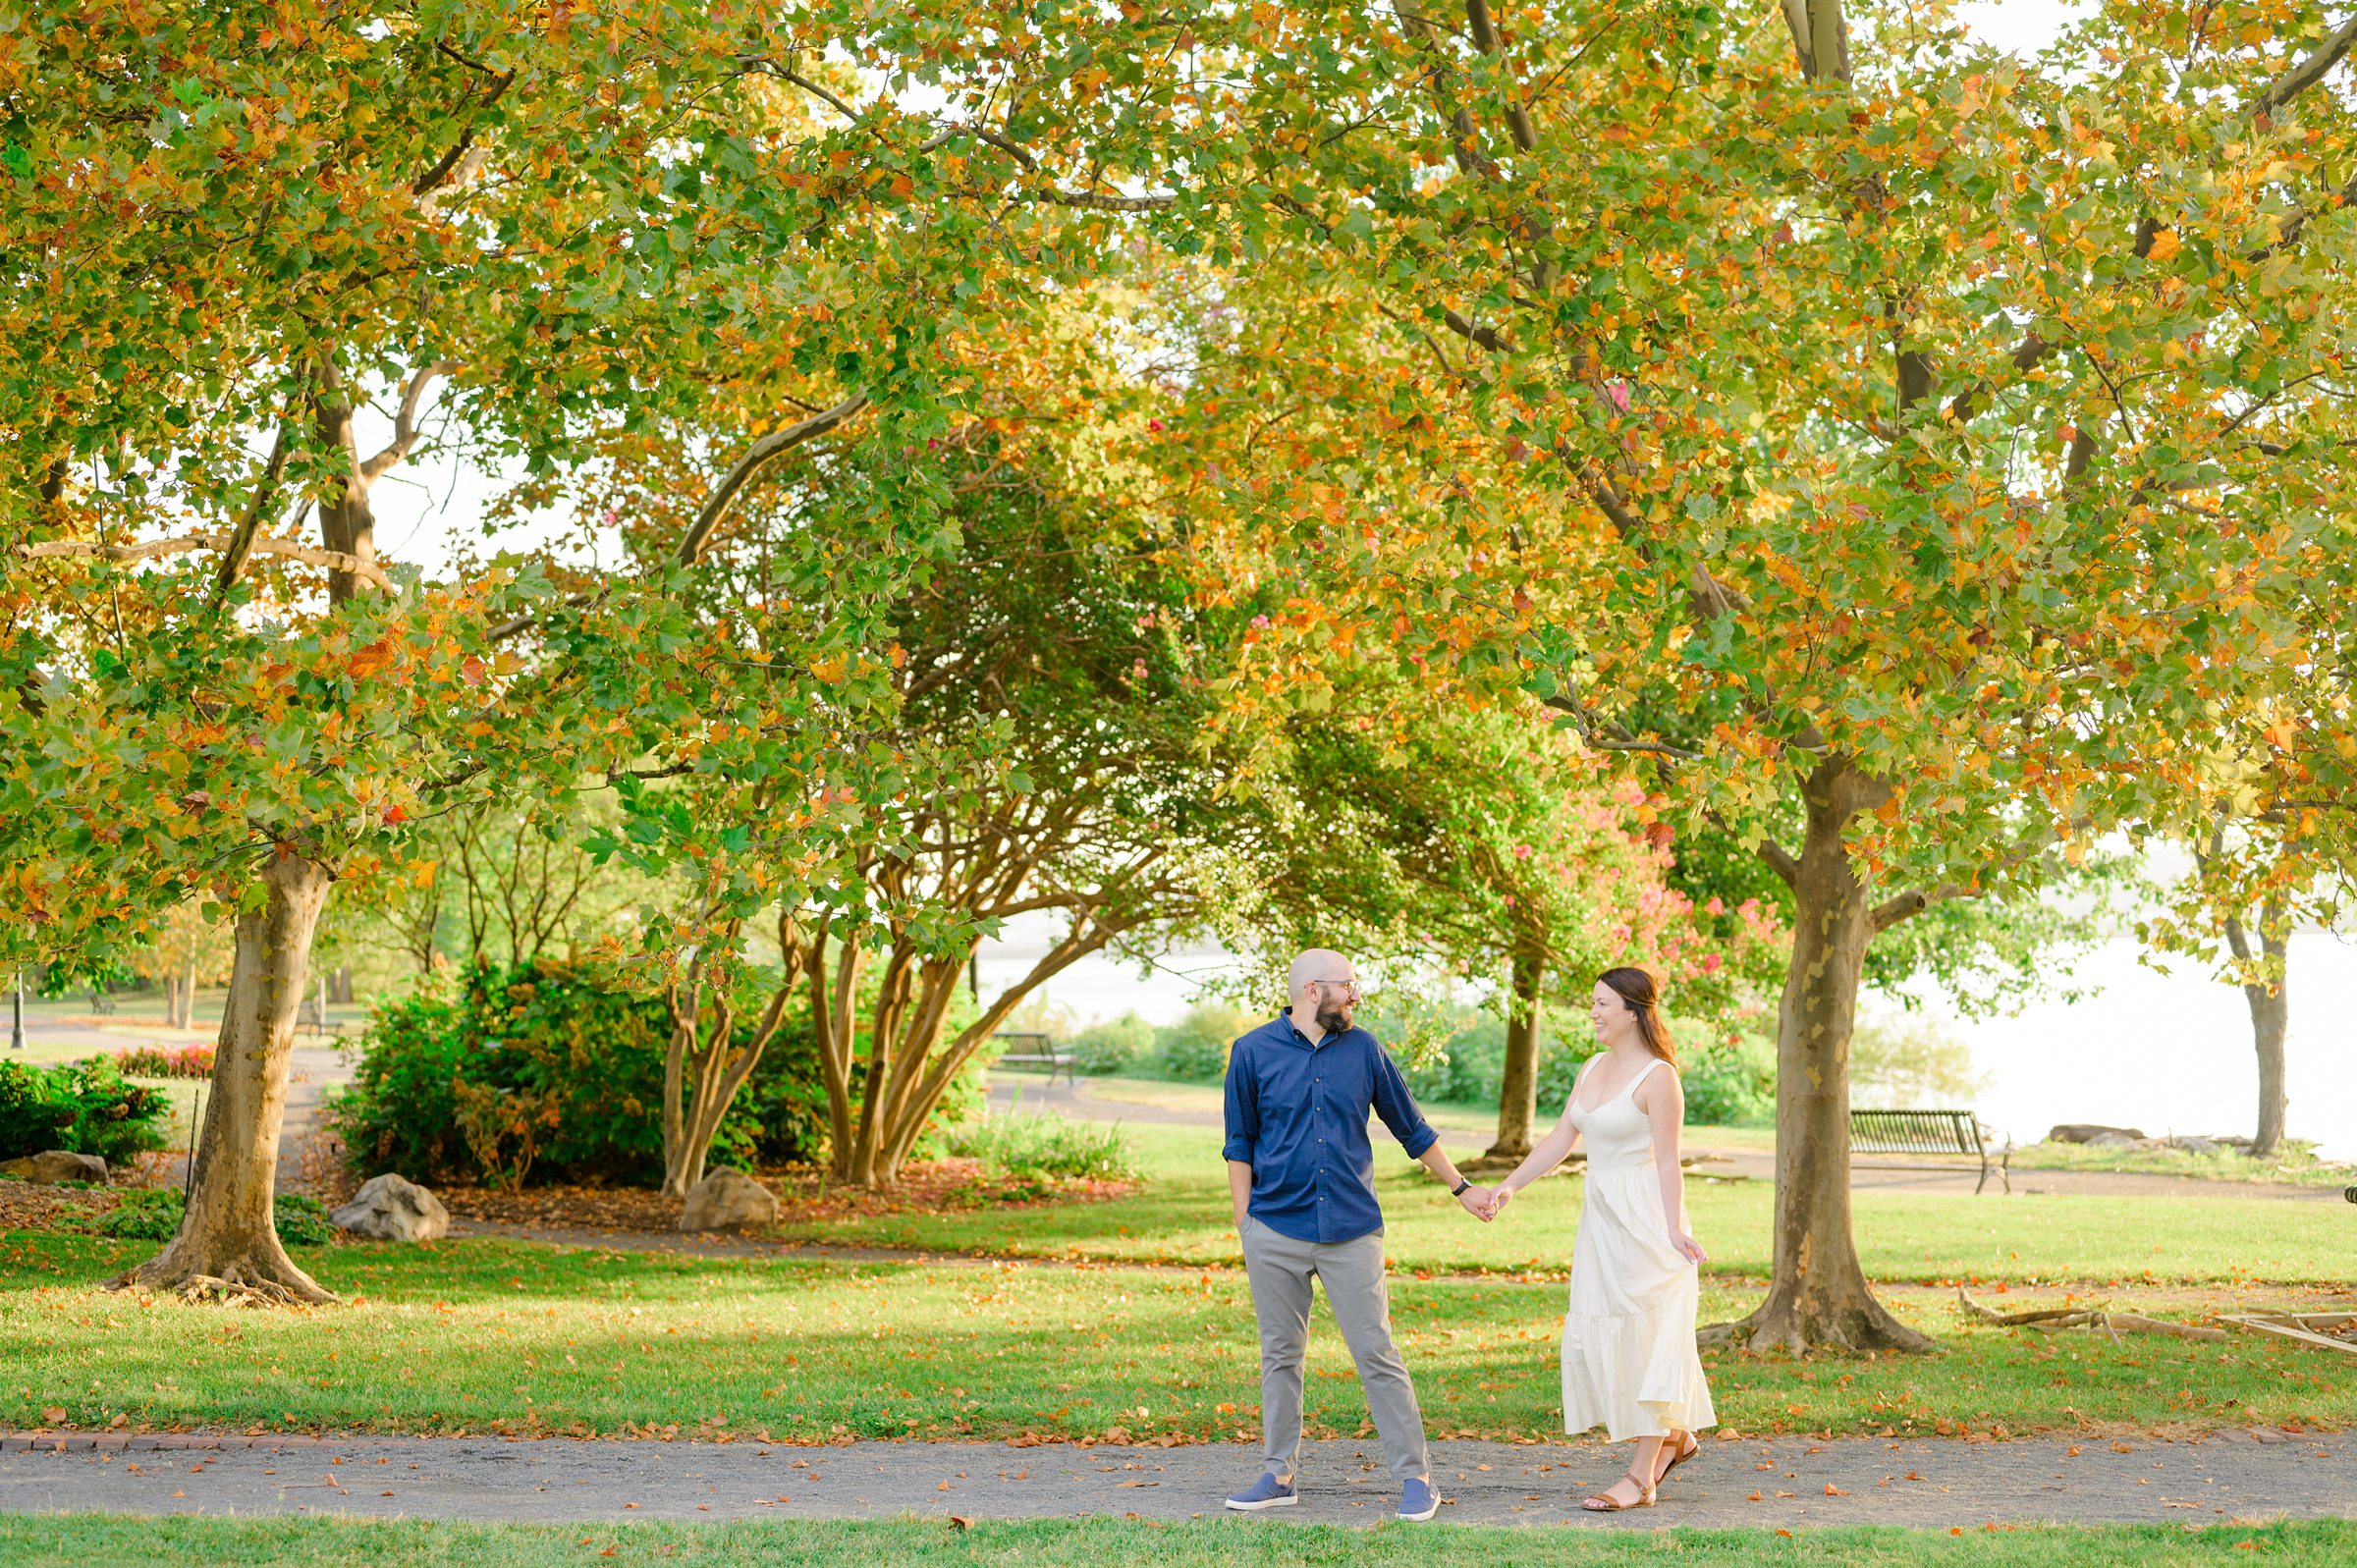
[(1867, 1173), (1779, 1483)]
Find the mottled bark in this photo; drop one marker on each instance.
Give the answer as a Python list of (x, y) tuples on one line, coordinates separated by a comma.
[(2270, 1001), (1518, 1087), (1818, 1297), (227, 1237)]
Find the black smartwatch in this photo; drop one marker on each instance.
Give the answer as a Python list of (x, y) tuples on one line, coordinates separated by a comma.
[(1462, 1182)]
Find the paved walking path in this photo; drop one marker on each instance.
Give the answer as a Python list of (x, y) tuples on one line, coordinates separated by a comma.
[(1784, 1483), (1075, 1100)]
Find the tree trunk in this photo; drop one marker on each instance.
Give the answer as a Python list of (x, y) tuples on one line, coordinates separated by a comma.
[(1518, 1088), (2271, 1021), (704, 1059), (339, 985), (227, 1236), (175, 1002), (1818, 1297)]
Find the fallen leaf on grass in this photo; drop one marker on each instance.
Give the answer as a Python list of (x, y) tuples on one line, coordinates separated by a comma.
[(1755, 1497), (960, 1522)]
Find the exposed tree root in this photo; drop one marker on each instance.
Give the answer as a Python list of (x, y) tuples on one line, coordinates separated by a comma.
[(1784, 1323), (242, 1283)]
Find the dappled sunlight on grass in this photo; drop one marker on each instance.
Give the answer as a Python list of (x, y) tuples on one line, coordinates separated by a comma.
[(503, 1337)]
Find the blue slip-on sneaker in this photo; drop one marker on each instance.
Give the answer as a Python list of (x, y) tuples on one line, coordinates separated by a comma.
[(1266, 1492), (1417, 1500)]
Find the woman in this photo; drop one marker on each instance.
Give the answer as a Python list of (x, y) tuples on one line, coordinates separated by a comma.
[(1629, 1363)]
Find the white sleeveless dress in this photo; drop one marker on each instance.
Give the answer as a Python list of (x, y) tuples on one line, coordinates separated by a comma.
[(1629, 1363)]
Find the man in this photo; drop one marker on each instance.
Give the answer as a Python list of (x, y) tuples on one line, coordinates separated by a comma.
[(1302, 1174)]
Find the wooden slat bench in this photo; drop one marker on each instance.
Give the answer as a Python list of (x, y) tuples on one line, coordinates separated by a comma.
[(1928, 1132), (1041, 1055)]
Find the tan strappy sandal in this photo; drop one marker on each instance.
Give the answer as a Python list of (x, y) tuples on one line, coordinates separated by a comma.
[(1678, 1456), (1601, 1504)]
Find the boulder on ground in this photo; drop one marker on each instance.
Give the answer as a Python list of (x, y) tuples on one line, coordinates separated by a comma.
[(2092, 1132), (729, 1200), (390, 1208), (56, 1166), (2193, 1145), (2117, 1139)]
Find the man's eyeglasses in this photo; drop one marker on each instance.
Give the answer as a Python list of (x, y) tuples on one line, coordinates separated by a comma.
[(1350, 986)]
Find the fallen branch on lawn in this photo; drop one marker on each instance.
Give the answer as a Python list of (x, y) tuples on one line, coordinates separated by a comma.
[(2111, 1323)]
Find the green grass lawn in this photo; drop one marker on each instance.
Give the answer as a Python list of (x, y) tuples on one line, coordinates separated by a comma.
[(28, 1541), (1181, 1214), (516, 1337)]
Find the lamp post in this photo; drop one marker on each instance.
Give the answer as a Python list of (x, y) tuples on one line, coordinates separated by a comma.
[(16, 1027)]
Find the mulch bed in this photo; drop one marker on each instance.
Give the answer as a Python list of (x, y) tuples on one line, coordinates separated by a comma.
[(804, 1196), (29, 1206)]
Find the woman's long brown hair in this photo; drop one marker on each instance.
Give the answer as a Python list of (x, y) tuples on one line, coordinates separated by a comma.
[(1643, 994)]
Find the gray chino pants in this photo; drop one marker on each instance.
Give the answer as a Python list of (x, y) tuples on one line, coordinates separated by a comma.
[(1281, 1270)]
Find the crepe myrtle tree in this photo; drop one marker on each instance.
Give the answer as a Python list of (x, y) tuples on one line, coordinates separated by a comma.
[(1023, 735), (1435, 836), (1849, 427)]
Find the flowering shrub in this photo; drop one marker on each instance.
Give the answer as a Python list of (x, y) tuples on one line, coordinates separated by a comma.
[(157, 1062)]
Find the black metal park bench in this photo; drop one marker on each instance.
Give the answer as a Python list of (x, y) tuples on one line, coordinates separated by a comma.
[(1929, 1132)]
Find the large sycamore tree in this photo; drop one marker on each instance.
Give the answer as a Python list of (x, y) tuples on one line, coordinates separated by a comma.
[(258, 260), (1839, 422)]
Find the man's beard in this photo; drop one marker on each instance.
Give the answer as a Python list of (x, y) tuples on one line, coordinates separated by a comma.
[(1334, 1020)]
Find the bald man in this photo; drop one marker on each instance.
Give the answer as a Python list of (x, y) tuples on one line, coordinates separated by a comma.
[(1302, 1173)]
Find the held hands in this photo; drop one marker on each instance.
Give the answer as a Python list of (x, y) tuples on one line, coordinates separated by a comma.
[(1484, 1204), (1479, 1203)]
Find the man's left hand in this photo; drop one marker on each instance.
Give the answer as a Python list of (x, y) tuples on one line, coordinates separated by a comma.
[(1475, 1201)]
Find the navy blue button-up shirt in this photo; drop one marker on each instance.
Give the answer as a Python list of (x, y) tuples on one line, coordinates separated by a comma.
[(1297, 1115)]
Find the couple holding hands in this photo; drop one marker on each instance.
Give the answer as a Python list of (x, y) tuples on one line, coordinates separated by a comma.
[(1301, 1170)]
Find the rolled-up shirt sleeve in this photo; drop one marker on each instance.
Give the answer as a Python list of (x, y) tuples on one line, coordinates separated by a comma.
[(1397, 1108), (1244, 1107)]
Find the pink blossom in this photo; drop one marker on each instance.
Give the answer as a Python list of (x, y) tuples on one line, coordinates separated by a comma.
[(1154, 425), (1615, 392), (1716, 906), (1711, 960), (1521, 851)]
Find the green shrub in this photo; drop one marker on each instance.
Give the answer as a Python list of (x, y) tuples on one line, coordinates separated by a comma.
[(537, 1071), (1194, 1049), (1102, 1049), (153, 1214), (1033, 1147), (84, 1108), (1727, 1083), (301, 1221)]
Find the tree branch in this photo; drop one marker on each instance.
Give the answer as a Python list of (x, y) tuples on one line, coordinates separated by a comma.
[(332, 560), (2300, 77), (757, 456), (241, 539), (1781, 861), (405, 418)]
